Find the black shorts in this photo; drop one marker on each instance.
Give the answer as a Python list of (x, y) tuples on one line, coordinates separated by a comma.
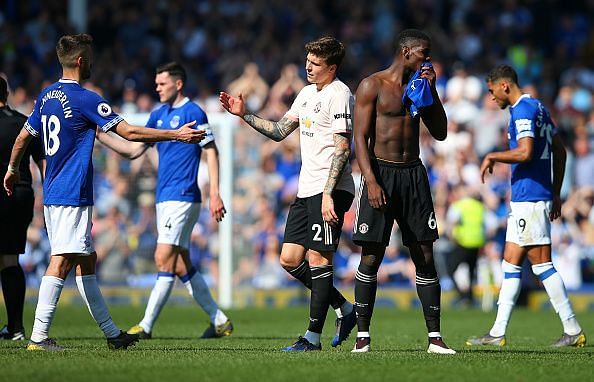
[(305, 225), (16, 213), (409, 202)]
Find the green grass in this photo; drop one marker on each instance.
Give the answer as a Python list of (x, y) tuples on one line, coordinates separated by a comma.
[(251, 353)]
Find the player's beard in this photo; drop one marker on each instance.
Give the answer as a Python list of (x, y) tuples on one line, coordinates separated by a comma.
[(504, 104)]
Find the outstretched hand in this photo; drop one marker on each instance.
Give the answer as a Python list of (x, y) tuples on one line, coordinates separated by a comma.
[(187, 134), (234, 105)]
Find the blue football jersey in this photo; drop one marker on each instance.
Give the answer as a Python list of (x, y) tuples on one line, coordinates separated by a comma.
[(65, 117), (178, 161), (531, 181)]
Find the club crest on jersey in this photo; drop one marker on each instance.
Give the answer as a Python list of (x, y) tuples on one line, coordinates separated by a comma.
[(104, 109), (318, 107), (174, 123), (412, 84), (159, 123), (363, 228)]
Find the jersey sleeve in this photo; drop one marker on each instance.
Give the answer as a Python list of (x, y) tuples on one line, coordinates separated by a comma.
[(523, 121), (201, 119), (341, 112), (33, 123), (98, 111)]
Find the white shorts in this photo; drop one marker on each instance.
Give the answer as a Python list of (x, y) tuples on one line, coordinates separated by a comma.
[(528, 223), (69, 229), (175, 221)]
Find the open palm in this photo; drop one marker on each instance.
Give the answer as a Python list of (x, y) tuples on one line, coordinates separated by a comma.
[(233, 105)]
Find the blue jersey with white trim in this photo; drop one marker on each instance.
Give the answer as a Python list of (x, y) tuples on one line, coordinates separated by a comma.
[(531, 181), (177, 177), (65, 117)]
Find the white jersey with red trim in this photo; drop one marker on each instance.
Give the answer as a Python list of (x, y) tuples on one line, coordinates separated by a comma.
[(321, 114)]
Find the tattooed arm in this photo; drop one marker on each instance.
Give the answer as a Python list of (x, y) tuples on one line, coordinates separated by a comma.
[(276, 131), (342, 151)]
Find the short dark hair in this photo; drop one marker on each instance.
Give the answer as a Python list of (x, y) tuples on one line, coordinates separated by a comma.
[(3, 90), (327, 48), (174, 69), (71, 47), (411, 36), (502, 71)]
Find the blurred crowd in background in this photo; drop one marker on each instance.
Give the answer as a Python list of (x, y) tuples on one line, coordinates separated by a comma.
[(256, 48)]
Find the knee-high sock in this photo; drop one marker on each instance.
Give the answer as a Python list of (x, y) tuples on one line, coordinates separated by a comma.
[(49, 294), (321, 280), (13, 289), (508, 294), (337, 300), (89, 290), (365, 291), (198, 289), (556, 290), (158, 298), (429, 292)]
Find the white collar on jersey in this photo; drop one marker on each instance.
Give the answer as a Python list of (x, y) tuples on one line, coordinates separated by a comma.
[(181, 103), (520, 98), (67, 81)]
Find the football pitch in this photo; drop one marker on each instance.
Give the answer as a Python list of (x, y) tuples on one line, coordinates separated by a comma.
[(252, 353)]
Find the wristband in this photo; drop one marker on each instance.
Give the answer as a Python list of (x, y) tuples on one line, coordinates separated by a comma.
[(12, 169)]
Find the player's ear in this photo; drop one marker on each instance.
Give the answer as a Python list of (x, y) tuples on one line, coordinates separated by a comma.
[(179, 84), (406, 52), (79, 61)]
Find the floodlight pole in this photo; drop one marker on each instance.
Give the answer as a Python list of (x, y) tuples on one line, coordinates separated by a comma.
[(226, 126)]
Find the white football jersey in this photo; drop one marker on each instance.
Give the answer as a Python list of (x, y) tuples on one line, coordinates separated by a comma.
[(321, 114)]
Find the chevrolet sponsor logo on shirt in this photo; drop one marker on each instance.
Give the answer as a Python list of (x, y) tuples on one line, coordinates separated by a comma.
[(307, 123)]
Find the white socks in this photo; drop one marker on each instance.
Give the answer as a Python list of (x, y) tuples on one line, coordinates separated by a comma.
[(312, 337), (49, 294), (345, 309), (89, 290), (556, 290), (510, 289), (159, 296), (198, 289)]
